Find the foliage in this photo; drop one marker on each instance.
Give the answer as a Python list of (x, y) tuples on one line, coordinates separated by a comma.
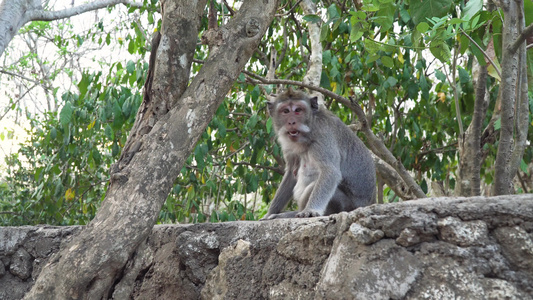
[(59, 175), (394, 57)]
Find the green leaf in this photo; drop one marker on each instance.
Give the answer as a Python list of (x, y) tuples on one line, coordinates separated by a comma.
[(83, 85), (222, 130), (424, 87), (131, 47), (324, 31), (422, 27), (65, 116), (523, 167), (126, 107), (370, 7), (53, 133), (255, 93), (108, 131), (427, 9), (324, 81), (326, 57), (333, 13), (312, 19), (130, 67), (387, 62), (498, 124), (355, 34), (464, 77), (118, 119), (388, 125), (424, 186), (115, 149), (269, 125), (252, 122), (199, 156), (371, 46), (440, 76), (372, 58), (391, 81), (440, 50), (472, 7), (385, 16), (528, 12), (96, 156)]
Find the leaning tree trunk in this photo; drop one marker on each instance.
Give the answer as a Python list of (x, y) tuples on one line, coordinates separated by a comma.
[(170, 122)]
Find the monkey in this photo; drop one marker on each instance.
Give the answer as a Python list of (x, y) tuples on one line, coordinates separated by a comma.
[(328, 169)]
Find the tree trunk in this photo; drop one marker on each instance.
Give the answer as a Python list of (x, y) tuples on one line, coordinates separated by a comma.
[(511, 74), (468, 181), (522, 105), (12, 18), (170, 122)]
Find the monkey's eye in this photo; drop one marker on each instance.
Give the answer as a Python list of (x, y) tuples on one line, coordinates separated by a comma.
[(285, 111), (298, 110)]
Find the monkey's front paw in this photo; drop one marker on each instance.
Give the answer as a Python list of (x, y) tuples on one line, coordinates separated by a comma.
[(308, 213)]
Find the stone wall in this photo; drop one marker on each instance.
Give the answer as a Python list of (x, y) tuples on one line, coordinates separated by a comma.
[(443, 248)]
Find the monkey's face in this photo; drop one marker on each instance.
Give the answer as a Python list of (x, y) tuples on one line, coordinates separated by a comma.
[(291, 119)]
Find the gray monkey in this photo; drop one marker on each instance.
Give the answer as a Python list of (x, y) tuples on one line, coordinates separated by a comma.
[(328, 168)]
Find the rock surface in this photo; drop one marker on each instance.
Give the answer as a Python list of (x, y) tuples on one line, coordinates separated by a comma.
[(440, 248)]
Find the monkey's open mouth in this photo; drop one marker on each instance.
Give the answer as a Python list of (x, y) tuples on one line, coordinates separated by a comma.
[(294, 133)]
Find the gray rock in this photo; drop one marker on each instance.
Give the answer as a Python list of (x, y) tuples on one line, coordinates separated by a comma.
[(21, 264), (440, 248)]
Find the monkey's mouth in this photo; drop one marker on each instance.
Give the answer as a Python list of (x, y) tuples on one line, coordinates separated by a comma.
[(293, 133)]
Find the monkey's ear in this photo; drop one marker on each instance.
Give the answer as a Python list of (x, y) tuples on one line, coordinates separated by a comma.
[(314, 103)]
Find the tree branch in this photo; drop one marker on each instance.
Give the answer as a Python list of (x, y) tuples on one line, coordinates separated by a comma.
[(522, 38), (482, 51), (19, 75), (42, 15)]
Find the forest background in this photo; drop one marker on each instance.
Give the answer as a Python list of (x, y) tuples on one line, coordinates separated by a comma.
[(420, 80)]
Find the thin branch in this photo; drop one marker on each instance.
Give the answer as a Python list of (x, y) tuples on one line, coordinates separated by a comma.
[(255, 166), (231, 11), (456, 93), (236, 151), (443, 149), (482, 51), (18, 100), (42, 15), (522, 183), (21, 76), (522, 38), (290, 10)]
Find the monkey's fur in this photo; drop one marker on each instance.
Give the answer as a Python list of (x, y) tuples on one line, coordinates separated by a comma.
[(328, 168)]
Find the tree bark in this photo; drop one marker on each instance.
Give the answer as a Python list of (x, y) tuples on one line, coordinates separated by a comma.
[(522, 105), (392, 179), (468, 181), (173, 121), (13, 17), (314, 71), (508, 147)]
